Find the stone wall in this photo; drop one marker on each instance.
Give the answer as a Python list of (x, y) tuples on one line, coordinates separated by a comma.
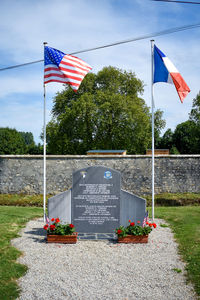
[(173, 173)]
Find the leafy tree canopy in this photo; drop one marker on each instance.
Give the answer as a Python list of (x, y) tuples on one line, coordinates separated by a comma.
[(166, 141), (18, 142), (184, 140), (195, 111), (106, 113), (186, 137), (28, 137), (12, 142)]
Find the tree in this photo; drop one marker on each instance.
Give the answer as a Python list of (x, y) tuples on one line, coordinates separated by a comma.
[(195, 117), (159, 124), (166, 141), (31, 147), (28, 138), (106, 113), (195, 111), (35, 149), (186, 138), (174, 150), (18, 142), (12, 142)]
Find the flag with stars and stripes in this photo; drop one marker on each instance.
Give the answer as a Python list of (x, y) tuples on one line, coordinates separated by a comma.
[(47, 219), (146, 219), (64, 68)]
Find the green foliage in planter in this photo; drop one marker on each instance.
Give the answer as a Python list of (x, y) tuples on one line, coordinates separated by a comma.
[(135, 229), (138, 230), (57, 228)]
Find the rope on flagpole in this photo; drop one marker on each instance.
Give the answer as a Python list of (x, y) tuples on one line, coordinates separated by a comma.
[(152, 117), (22, 65), (44, 152), (178, 1), (147, 36)]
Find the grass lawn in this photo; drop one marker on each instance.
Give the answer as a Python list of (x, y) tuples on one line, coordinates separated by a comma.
[(12, 220), (185, 223)]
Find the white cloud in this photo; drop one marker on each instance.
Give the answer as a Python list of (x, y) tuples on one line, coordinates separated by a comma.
[(75, 25)]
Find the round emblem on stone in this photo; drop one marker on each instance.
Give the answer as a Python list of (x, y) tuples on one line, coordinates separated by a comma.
[(108, 175)]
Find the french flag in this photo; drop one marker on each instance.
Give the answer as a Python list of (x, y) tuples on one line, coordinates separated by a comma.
[(165, 71)]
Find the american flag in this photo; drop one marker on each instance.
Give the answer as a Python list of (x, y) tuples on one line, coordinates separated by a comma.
[(146, 218), (47, 219), (64, 68)]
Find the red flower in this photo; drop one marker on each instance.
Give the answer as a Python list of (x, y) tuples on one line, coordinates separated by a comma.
[(71, 225), (138, 222), (147, 223), (119, 231), (52, 219), (52, 227), (154, 225), (150, 225), (132, 224), (57, 220), (46, 226), (129, 221)]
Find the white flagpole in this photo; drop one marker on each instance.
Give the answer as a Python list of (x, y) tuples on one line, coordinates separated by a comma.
[(44, 153), (152, 117)]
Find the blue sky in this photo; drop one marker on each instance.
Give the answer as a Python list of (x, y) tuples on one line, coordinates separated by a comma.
[(79, 24)]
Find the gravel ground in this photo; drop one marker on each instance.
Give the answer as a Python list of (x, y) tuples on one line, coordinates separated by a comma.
[(92, 270)]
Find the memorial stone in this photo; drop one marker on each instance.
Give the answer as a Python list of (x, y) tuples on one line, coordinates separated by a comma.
[(96, 204), (96, 200)]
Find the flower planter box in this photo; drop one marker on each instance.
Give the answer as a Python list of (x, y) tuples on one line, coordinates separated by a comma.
[(134, 239), (64, 239)]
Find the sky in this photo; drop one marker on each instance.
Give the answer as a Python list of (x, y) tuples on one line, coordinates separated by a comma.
[(72, 26)]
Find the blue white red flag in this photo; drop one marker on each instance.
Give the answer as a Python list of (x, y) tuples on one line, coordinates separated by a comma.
[(165, 71), (64, 68)]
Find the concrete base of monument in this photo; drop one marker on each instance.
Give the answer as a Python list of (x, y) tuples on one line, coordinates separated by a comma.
[(97, 236)]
